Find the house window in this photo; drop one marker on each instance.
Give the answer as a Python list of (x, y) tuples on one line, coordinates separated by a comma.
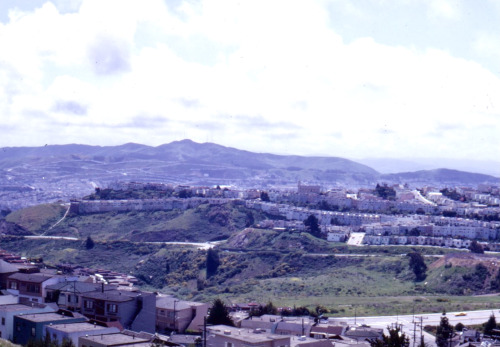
[(3, 320), (88, 304), (229, 344), (33, 288), (33, 332), (112, 308), (73, 299), (13, 285)]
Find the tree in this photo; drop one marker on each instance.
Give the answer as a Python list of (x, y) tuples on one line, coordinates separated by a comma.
[(396, 338), (385, 192), (444, 332), (89, 243), (495, 282), (490, 325), (459, 327), (417, 264), (264, 196), (312, 225), (213, 262), (219, 314), (269, 308), (475, 247), (249, 219)]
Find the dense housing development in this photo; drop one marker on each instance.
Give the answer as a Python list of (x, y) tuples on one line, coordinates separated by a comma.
[(409, 216), (101, 307)]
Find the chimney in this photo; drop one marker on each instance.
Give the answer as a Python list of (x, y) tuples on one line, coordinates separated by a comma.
[(102, 287)]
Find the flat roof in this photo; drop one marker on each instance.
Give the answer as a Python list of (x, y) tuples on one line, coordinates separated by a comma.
[(112, 295), (35, 278), (73, 327), (113, 339), (15, 307), (44, 317), (244, 334)]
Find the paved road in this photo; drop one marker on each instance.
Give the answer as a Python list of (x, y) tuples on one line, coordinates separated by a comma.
[(410, 322), (52, 237), (199, 245)]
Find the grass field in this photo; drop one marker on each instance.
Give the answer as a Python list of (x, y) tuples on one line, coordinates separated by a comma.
[(381, 285), (37, 218)]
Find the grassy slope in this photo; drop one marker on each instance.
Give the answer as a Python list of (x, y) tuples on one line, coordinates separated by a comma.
[(37, 218), (287, 279), (205, 223), (270, 266)]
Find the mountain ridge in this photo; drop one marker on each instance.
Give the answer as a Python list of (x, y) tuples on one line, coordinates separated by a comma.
[(31, 175)]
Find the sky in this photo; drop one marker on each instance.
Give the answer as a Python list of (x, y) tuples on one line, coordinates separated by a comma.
[(355, 79)]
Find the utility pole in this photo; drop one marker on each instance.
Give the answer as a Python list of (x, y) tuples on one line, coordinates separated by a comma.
[(421, 325), (175, 318), (205, 331)]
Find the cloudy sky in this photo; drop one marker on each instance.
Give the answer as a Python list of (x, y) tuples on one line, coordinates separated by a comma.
[(367, 78)]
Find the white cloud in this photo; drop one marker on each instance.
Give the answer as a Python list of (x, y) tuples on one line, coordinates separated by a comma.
[(282, 81), (445, 9)]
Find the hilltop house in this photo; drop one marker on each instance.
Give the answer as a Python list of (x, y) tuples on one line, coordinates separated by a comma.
[(134, 310), (31, 326), (7, 313), (179, 315), (68, 294), (32, 286)]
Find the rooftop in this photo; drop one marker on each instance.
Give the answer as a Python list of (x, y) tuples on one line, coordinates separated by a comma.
[(115, 295), (17, 307), (244, 334), (44, 317), (113, 339), (79, 287), (73, 327), (6, 267), (35, 278)]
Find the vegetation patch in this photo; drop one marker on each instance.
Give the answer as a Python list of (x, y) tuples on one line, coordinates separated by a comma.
[(37, 218)]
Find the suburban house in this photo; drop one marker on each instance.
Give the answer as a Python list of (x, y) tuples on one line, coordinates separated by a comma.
[(178, 315), (226, 336), (321, 331), (68, 294), (32, 286), (364, 333), (110, 340), (31, 326), (59, 332), (134, 310), (294, 328), (7, 313), (6, 269), (125, 338)]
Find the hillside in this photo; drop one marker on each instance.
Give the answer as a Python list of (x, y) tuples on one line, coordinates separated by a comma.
[(204, 223), (286, 278), (37, 218), (445, 176), (32, 175)]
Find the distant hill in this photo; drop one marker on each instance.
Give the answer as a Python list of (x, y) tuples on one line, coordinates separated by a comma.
[(444, 176), (9, 228), (395, 165), (186, 155), (33, 175)]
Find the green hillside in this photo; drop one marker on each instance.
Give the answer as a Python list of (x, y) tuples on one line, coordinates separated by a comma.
[(37, 218), (204, 223), (373, 284)]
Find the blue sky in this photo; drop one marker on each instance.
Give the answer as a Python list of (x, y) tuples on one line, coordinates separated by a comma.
[(340, 78)]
